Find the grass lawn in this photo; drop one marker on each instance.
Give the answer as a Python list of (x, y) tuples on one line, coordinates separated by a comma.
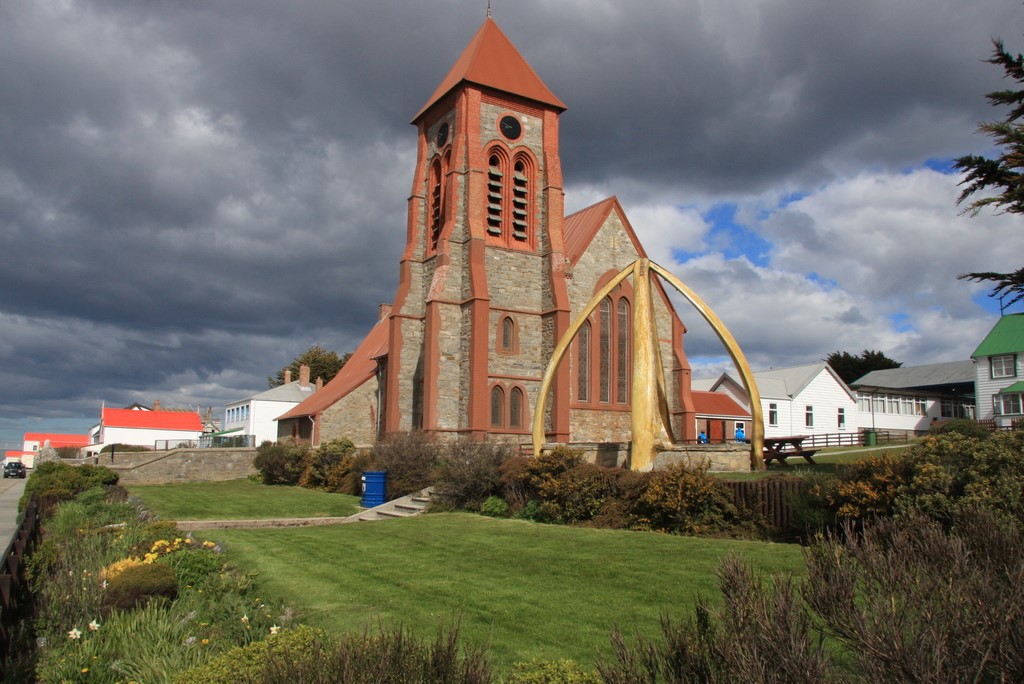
[(827, 463), (531, 590), (241, 499)]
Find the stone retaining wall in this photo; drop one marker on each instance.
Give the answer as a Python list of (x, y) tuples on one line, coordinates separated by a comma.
[(183, 465), (715, 457)]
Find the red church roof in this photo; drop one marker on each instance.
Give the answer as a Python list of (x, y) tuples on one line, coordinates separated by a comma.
[(360, 367), (492, 61), (152, 420), (57, 440)]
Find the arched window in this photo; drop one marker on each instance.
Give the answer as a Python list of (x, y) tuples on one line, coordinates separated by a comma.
[(507, 333), (497, 407), (604, 351), (622, 351), (495, 194), (515, 408), (436, 213), (521, 201), (583, 364)]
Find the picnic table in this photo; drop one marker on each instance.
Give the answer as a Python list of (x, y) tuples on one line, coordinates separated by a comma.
[(781, 448)]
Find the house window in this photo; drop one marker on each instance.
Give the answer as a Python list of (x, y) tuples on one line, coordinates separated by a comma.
[(515, 408), (841, 419), (583, 359), (497, 407), (773, 414), (622, 352), (1007, 404), (953, 408), (604, 353), (809, 416), (1004, 366), (507, 335)]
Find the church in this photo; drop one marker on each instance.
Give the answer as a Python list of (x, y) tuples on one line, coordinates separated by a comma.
[(493, 273)]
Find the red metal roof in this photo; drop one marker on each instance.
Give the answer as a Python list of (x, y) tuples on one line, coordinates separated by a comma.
[(57, 440), (580, 228), (491, 60), (717, 404), (152, 420), (360, 367)]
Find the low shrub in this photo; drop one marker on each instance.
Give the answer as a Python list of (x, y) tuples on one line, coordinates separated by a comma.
[(281, 463), (55, 482), (961, 426), (685, 500), (410, 459), (247, 664), (320, 463), (137, 585), (552, 672), (468, 472), (495, 506), (580, 493), (193, 567)]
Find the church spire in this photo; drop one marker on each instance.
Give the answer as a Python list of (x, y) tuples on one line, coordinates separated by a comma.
[(488, 9), (490, 60)]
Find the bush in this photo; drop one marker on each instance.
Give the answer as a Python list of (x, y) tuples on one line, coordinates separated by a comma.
[(961, 426), (137, 585), (280, 462), (55, 482), (307, 655), (494, 506), (943, 477), (686, 501), (193, 567), (246, 664), (320, 463), (468, 473), (579, 494), (523, 478), (410, 459), (552, 672)]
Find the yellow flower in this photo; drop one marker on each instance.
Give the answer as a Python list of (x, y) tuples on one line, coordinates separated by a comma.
[(206, 641), (84, 670), (275, 629)]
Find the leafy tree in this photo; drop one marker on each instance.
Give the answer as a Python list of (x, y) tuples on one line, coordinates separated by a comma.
[(851, 368), (322, 364), (1003, 173)]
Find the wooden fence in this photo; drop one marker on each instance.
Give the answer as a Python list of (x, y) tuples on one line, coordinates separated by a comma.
[(771, 498), (12, 576)]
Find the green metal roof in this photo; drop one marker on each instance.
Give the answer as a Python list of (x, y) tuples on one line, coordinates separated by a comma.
[(1006, 337), (1014, 388)]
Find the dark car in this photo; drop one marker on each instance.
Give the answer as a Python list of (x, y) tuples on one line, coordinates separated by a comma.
[(14, 469)]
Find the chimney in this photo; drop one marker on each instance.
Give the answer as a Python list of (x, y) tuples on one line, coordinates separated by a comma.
[(383, 311), (303, 375), (319, 383), (156, 405), (287, 375)]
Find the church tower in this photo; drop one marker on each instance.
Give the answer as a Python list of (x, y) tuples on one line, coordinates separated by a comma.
[(482, 297)]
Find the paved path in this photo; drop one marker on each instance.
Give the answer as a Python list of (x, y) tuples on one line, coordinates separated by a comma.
[(10, 493)]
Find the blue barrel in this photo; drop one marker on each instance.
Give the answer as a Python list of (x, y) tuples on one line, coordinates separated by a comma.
[(374, 487)]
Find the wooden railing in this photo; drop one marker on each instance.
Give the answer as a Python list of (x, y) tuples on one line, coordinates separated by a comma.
[(12, 575)]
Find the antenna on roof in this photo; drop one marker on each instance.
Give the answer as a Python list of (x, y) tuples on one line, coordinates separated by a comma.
[(488, 9)]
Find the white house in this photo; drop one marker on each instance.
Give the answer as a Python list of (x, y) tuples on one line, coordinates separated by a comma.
[(155, 429), (999, 372), (912, 398), (256, 416), (801, 400)]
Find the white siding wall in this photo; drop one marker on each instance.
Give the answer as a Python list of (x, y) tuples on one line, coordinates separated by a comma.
[(147, 437), (826, 396), (262, 417), (985, 387)]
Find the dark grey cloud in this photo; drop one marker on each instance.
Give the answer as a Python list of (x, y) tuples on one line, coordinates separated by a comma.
[(193, 193)]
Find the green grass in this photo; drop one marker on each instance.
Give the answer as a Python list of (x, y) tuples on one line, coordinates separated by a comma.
[(827, 462), (531, 590), (241, 499)]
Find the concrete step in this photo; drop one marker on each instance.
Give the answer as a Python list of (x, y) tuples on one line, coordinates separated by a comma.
[(406, 507)]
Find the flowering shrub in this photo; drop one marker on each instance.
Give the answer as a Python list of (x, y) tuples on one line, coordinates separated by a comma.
[(686, 501)]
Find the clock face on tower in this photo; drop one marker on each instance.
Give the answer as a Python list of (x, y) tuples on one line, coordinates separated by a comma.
[(510, 127), (442, 135)]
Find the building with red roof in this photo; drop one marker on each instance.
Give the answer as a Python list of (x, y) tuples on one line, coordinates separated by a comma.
[(492, 276), (151, 428)]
